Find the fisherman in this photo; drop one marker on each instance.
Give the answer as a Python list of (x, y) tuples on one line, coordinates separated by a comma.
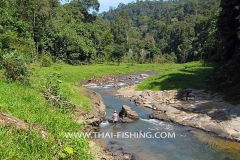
[(115, 118)]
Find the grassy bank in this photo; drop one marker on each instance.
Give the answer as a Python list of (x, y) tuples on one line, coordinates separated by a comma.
[(191, 75), (73, 74), (27, 102)]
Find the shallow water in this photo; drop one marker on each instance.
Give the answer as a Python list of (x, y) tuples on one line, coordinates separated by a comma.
[(188, 144)]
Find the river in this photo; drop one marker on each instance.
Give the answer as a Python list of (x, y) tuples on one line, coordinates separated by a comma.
[(170, 141)]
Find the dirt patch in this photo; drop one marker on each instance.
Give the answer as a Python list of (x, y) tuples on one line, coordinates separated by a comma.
[(10, 121)]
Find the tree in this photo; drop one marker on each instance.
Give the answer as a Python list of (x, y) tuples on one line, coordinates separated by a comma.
[(118, 52), (103, 39), (230, 17), (226, 42), (120, 27), (89, 4), (150, 48), (184, 49)]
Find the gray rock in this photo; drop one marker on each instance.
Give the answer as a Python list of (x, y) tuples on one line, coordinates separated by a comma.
[(159, 116), (194, 108), (126, 120), (110, 120), (127, 112), (148, 106)]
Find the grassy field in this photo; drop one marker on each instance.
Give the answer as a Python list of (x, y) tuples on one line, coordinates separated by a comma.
[(193, 75), (73, 74), (27, 102)]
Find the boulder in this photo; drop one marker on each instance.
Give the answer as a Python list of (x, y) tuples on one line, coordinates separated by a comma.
[(110, 120), (148, 106), (126, 120), (127, 112), (144, 75), (159, 116)]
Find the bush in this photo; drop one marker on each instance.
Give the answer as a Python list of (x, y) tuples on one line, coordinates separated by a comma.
[(52, 92), (15, 67), (46, 61), (166, 58)]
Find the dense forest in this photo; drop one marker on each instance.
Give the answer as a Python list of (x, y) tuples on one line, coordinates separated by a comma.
[(165, 31), (147, 31)]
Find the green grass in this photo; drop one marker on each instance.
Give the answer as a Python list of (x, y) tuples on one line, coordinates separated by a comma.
[(193, 75), (73, 74), (29, 105)]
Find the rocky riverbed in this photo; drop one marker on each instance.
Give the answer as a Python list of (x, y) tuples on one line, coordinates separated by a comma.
[(189, 107)]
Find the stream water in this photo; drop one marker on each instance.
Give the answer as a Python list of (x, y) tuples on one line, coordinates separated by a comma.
[(188, 143)]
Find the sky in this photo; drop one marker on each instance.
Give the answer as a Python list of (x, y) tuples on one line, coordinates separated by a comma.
[(105, 4)]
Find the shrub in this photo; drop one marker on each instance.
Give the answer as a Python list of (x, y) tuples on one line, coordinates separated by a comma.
[(15, 67), (46, 61), (52, 92)]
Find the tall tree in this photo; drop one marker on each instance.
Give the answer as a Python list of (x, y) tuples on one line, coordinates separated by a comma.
[(227, 71)]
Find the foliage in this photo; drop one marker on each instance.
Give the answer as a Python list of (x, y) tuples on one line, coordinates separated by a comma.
[(168, 58), (67, 153), (15, 67), (118, 52), (223, 46), (157, 28), (53, 94), (37, 27), (71, 34), (46, 61)]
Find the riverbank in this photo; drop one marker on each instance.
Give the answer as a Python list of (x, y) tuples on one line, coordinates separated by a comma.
[(189, 107), (100, 149), (111, 151), (169, 95), (32, 128)]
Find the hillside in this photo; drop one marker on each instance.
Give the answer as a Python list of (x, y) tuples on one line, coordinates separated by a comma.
[(176, 29)]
